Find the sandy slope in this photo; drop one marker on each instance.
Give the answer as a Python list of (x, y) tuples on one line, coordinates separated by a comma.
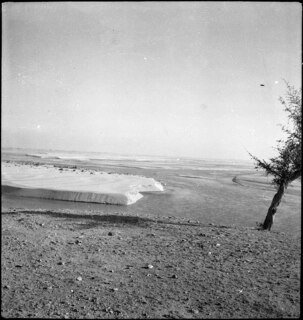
[(74, 264), (49, 182)]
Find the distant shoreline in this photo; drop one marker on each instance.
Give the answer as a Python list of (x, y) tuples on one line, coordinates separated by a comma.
[(114, 155)]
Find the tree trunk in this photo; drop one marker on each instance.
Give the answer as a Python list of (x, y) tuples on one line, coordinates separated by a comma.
[(269, 220)]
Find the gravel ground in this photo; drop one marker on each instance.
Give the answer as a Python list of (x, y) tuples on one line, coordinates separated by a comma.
[(73, 264)]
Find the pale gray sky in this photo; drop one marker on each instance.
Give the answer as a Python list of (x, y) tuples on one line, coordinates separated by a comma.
[(158, 78)]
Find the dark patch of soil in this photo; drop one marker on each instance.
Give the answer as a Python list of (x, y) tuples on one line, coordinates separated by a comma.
[(68, 264)]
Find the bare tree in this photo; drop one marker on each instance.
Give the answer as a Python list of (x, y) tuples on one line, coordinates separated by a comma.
[(286, 166)]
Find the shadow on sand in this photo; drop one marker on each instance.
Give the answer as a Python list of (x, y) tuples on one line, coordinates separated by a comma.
[(95, 220)]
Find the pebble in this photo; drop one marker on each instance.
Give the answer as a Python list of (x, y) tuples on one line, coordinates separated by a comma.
[(79, 278), (218, 245), (149, 266), (108, 309), (174, 276)]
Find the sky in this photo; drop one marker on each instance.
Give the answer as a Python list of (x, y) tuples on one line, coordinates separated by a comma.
[(152, 78)]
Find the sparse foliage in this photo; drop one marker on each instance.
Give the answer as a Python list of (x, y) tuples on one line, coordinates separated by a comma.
[(286, 166)]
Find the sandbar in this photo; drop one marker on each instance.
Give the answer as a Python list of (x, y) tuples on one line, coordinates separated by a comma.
[(49, 182)]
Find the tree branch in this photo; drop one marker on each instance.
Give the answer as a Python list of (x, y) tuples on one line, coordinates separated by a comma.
[(266, 166), (295, 175)]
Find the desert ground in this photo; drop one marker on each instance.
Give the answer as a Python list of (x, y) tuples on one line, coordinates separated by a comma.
[(192, 251)]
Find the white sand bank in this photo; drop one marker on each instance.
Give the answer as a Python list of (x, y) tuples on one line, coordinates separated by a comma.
[(51, 183)]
